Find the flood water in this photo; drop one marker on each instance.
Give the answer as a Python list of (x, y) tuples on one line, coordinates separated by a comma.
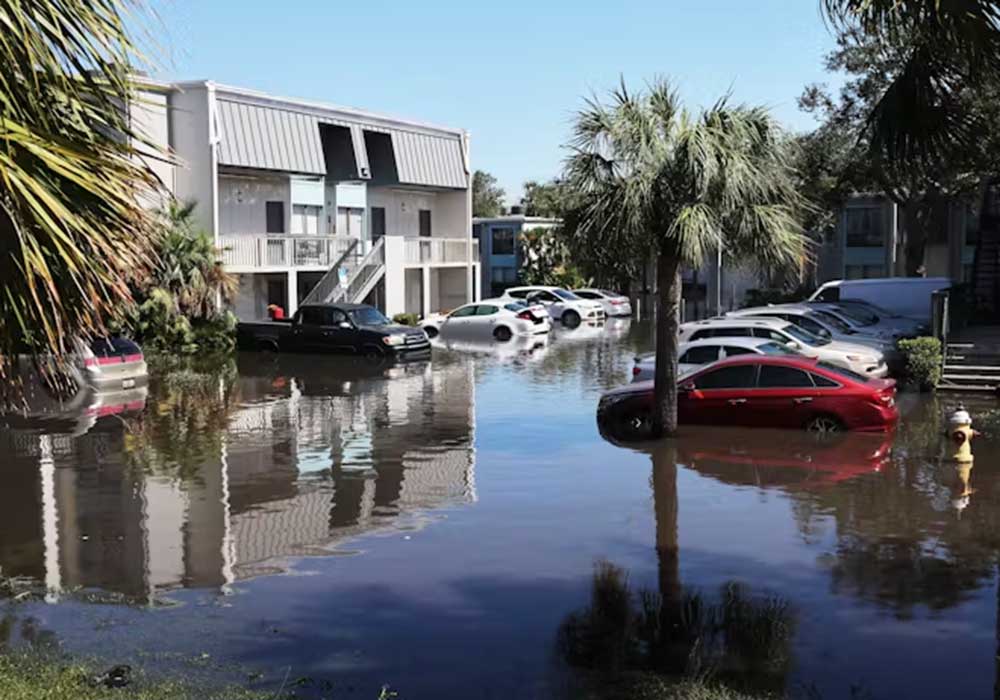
[(432, 526)]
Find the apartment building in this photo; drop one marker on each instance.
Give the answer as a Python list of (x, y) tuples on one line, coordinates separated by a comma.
[(499, 244), (862, 244), (309, 201)]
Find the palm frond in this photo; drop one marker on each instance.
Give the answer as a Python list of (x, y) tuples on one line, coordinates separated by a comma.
[(73, 233)]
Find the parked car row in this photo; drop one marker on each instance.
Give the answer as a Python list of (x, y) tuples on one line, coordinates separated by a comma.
[(819, 364)]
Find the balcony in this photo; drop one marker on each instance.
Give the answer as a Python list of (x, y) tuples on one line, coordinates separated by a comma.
[(263, 251), (440, 251)]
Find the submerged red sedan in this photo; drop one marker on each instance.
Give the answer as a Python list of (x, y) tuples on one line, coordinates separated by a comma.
[(762, 391)]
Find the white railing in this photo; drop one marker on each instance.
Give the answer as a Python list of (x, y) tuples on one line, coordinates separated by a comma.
[(276, 250), (440, 251)]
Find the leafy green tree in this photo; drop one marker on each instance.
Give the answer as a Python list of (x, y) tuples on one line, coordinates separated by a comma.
[(487, 195), (177, 306), (546, 260), (944, 48), (655, 179), (840, 156), (550, 199), (73, 232)]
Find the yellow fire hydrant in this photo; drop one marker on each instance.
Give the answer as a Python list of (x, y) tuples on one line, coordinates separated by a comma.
[(961, 433)]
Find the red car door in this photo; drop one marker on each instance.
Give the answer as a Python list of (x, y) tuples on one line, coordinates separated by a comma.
[(783, 397), (718, 396)]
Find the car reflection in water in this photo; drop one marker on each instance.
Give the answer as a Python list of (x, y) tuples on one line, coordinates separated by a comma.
[(517, 349), (219, 480)]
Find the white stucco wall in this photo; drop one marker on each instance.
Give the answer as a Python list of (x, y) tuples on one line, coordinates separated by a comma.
[(151, 122), (191, 133), (242, 203), (452, 214)]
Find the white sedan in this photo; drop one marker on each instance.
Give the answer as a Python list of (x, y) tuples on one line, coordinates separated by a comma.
[(562, 305), (614, 304), (500, 319), (697, 353)]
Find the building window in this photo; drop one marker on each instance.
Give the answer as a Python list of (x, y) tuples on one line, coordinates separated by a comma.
[(305, 218), (425, 222), (503, 241), (378, 222), (865, 227), (861, 272), (275, 213)]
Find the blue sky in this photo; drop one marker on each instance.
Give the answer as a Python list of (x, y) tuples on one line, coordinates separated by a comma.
[(510, 72)]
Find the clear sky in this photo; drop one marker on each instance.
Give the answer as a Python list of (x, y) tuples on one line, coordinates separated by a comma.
[(510, 72)]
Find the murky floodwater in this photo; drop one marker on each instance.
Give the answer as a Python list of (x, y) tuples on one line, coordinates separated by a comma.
[(432, 527)]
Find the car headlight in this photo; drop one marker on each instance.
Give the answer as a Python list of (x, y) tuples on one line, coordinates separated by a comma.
[(394, 339)]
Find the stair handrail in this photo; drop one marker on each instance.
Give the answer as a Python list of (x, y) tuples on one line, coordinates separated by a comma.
[(363, 273), (330, 281)]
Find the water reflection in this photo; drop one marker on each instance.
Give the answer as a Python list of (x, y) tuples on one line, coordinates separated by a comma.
[(227, 473)]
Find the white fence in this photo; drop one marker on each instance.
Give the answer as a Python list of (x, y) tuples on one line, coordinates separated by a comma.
[(440, 251), (275, 250)]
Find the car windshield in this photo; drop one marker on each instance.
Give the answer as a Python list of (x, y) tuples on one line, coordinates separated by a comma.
[(804, 336), (562, 293), (832, 320), (368, 316), (607, 293), (843, 372), (113, 347), (775, 349), (856, 313)]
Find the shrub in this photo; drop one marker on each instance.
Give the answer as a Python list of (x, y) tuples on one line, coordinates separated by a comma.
[(923, 360), (406, 319)]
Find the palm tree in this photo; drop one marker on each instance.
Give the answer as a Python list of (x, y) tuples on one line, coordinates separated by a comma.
[(73, 231), (655, 179), (189, 265), (949, 46)]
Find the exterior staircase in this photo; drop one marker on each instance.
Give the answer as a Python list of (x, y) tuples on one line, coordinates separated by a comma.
[(970, 367), (351, 278)]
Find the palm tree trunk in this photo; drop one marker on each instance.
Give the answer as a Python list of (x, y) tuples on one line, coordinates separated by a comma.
[(665, 393)]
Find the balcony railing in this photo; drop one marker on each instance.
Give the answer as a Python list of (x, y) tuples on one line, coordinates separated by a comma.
[(440, 251), (276, 250)]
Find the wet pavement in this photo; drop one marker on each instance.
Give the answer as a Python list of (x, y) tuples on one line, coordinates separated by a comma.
[(432, 526)]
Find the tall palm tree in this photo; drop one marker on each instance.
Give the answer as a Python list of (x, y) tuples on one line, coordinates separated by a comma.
[(655, 179), (73, 232), (949, 46)]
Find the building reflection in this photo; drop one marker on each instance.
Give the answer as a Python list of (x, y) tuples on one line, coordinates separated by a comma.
[(218, 479)]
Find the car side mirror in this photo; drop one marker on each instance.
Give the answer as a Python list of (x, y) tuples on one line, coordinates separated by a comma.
[(345, 325), (793, 345), (688, 387)]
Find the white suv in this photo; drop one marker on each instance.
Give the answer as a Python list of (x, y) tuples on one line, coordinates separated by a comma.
[(563, 305), (862, 359)]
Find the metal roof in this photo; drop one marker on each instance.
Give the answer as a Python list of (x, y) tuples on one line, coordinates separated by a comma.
[(280, 137), (251, 136)]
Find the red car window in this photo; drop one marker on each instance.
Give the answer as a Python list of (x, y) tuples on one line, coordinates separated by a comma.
[(737, 377), (778, 377)]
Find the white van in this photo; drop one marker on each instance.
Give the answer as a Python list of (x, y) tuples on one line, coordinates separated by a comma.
[(906, 296)]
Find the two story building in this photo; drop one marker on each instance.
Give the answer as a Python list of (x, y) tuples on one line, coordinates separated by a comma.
[(313, 202)]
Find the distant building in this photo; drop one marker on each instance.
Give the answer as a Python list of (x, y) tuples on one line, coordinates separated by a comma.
[(862, 243), (500, 248)]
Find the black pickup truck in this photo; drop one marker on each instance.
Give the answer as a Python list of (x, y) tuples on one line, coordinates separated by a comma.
[(329, 328)]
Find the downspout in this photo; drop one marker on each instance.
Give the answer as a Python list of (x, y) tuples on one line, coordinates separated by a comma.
[(213, 149)]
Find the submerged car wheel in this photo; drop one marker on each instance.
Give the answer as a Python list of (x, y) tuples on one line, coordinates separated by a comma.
[(502, 333), (824, 425), (431, 331), (373, 353), (571, 319)]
